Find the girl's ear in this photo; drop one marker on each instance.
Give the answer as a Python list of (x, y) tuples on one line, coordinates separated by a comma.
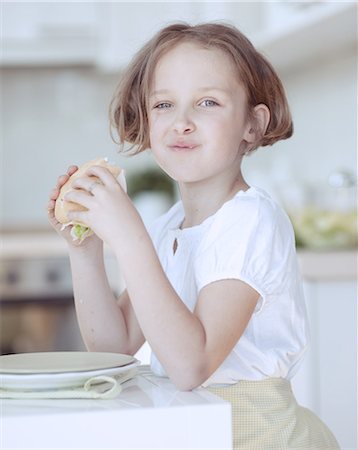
[(257, 125)]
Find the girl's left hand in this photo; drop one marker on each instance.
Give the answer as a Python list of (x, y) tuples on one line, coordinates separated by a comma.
[(105, 200)]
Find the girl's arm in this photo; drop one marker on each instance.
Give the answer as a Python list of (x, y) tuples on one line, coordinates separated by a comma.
[(106, 324), (190, 345)]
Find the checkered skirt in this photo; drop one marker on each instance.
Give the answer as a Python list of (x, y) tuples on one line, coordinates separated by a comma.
[(266, 416)]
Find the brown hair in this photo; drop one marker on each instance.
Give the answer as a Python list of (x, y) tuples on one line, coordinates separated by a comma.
[(128, 109)]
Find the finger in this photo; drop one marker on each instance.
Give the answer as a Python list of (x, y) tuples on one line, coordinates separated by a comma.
[(51, 204), (89, 185), (80, 197), (102, 173), (54, 194), (78, 216), (86, 183), (72, 169), (62, 179), (51, 211)]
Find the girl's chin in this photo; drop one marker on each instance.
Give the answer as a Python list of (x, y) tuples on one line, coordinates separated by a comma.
[(186, 179), (185, 173)]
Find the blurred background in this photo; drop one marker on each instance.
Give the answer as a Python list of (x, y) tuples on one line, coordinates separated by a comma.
[(60, 64)]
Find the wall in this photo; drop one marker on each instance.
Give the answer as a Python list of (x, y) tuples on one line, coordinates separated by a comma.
[(52, 118), (322, 98)]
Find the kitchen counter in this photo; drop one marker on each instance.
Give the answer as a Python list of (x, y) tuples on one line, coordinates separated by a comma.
[(32, 244), (149, 413), (328, 265), (324, 264)]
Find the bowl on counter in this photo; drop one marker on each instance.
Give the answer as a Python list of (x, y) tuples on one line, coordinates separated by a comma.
[(325, 218), (322, 229)]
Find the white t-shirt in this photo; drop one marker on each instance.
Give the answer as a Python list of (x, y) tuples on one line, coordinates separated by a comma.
[(250, 238)]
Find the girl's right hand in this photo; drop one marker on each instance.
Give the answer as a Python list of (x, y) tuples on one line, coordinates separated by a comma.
[(65, 233)]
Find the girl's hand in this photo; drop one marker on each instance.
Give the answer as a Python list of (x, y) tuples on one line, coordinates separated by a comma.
[(106, 203), (65, 233)]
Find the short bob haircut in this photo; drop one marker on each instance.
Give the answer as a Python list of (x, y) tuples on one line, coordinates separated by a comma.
[(129, 106)]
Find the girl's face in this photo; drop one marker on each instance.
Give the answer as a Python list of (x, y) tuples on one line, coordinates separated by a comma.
[(197, 114)]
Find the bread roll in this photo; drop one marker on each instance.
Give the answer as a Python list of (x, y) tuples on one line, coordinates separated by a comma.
[(62, 207)]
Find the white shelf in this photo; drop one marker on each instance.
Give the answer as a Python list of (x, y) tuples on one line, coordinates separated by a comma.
[(49, 52), (46, 34), (310, 36), (103, 35)]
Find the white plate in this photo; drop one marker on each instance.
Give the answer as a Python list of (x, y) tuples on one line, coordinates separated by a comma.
[(57, 370), (55, 362)]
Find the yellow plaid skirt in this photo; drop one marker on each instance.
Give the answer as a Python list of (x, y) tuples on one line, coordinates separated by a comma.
[(266, 416)]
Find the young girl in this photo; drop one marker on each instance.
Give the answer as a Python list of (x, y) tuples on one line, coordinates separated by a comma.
[(213, 286)]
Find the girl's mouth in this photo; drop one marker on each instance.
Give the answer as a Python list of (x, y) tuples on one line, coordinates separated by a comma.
[(181, 146)]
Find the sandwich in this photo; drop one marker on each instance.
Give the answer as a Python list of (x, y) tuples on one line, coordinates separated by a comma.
[(80, 231)]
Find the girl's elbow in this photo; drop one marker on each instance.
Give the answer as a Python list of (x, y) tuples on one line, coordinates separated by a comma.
[(108, 347), (185, 385), (189, 378)]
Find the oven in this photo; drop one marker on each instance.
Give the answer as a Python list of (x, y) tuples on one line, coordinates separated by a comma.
[(36, 305)]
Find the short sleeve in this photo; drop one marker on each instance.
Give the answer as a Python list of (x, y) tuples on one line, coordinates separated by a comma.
[(251, 240)]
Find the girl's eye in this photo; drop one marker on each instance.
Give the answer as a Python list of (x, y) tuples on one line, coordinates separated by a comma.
[(208, 102), (163, 105)]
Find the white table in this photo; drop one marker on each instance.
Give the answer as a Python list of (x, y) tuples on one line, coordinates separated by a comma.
[(149, 413)]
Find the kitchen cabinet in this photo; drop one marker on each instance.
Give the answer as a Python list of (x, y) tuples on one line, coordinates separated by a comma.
[(327, 380), (297, 33), (149, 413), (107, 34), (49, 33), (98, 34)]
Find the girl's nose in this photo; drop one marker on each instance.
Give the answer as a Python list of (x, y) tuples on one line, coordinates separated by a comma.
[(183, 124)]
